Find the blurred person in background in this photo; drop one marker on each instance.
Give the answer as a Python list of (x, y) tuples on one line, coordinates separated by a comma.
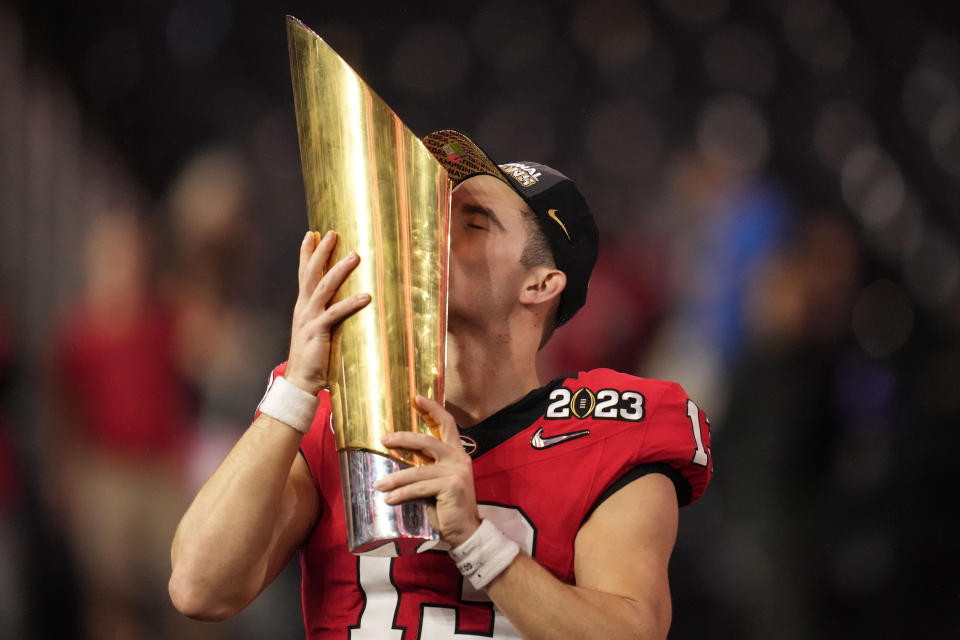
[(784, 400), (215, 271), (121, 432), (719, 220)]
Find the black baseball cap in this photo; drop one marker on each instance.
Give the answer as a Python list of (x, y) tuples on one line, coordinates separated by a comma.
[(561, 210)]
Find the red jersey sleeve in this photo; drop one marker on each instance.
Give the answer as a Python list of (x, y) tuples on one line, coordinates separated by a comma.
[(656, 428), (316, 440), (678, 433)]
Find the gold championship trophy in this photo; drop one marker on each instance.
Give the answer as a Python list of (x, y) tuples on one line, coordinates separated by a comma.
[(375, 183)]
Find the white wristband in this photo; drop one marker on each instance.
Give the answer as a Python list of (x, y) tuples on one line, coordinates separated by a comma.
[(291, 405), (484, 555)]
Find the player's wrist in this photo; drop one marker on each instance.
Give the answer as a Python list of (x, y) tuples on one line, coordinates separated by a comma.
[(290, 404), (464, 533), (305, 383), (484, 555)]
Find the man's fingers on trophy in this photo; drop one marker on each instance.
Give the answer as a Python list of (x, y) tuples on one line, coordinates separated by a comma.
[(431, 421), (307, 246), (339, 311), (420, 489), (409, 440), (406, 476), (442, 453), (332, 281), (311, 240), (441, 422), (317, 264)]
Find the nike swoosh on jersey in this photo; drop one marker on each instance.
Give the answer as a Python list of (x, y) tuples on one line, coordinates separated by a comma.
[(539, 441)]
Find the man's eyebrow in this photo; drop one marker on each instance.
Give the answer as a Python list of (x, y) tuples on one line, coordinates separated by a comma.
[(471, 207)]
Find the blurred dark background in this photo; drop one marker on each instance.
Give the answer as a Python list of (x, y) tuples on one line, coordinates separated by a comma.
[(777, 184)]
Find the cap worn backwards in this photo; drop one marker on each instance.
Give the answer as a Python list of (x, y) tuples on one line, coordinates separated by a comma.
[(561, 210)]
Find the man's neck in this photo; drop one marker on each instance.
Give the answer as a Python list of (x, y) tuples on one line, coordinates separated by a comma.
[(485, 373)]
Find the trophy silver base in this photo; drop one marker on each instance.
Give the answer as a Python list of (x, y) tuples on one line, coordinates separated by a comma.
[(371, 522)]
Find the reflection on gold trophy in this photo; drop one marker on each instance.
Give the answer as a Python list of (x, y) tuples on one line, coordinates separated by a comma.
[(372, 180)]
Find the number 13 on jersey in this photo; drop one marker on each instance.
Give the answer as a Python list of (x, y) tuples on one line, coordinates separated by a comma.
[(701, 455)]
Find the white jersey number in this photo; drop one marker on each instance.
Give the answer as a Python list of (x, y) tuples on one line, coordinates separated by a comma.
[(438, 622), (376, 620), (606, 404), (701, 455)]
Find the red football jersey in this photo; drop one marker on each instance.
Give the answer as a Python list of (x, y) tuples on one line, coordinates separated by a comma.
[(123, 387), (541, 465)]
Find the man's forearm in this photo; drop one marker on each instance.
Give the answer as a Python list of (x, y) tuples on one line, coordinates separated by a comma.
[(540, 606), (220, 550)]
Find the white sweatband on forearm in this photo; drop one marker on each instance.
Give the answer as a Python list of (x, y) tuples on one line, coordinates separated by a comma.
[(484, 555), (290, 404)]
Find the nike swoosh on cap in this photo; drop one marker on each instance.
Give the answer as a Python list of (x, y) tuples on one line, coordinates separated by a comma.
[(553, 214), (539, 441)]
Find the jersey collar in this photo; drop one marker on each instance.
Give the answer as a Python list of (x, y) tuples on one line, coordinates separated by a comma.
[(512, 419)]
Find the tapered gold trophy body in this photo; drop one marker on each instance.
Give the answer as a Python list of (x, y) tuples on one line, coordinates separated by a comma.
[(370, 179)]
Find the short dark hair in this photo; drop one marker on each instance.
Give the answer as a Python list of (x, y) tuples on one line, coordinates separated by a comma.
[(537, 253)]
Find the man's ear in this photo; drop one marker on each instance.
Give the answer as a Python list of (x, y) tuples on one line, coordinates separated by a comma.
[(543, 285)]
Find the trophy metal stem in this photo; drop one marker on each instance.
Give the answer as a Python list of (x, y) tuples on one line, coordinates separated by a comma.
[(371, 522)]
